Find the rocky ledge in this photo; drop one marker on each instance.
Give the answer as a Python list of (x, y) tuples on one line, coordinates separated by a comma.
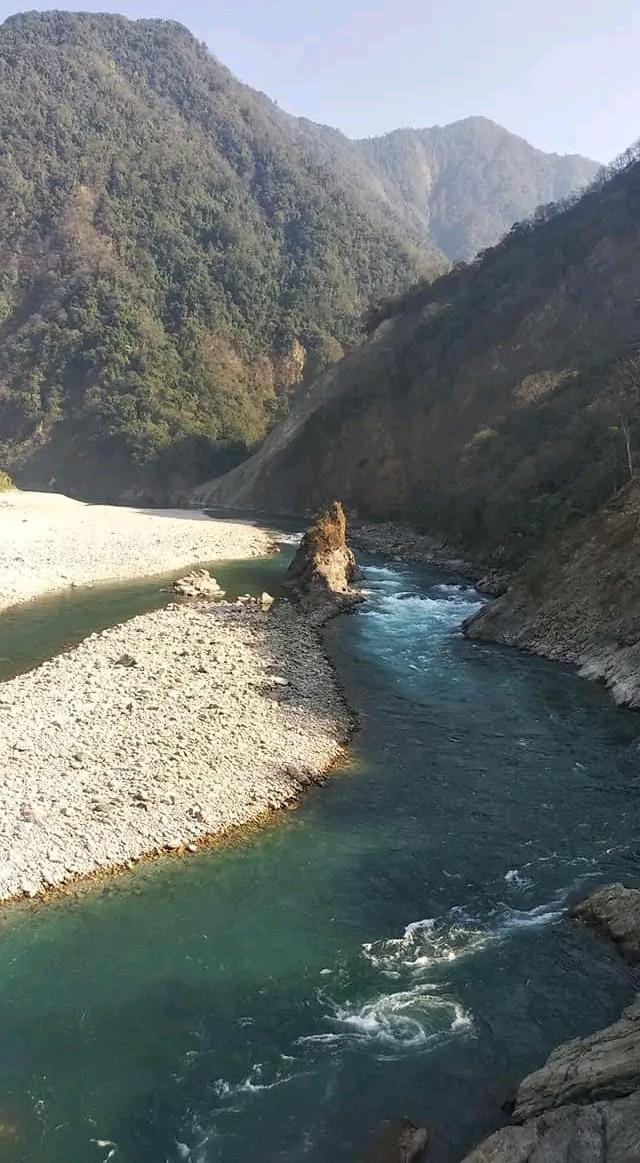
[(321, 576), (583, 1105), (615, 911)]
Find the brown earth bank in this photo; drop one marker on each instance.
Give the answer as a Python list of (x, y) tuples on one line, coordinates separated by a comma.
[(583, 1105), (578, 600)]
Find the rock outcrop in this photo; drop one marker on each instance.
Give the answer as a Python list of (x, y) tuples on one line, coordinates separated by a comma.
[(615, 911), (604, 1132), (321, 575), (601, 1066), (583, 1105)]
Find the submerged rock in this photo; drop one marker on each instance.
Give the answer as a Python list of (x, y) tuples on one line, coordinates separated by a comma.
[(198, 584), (615, 911), (323, 570), (400, 1141)]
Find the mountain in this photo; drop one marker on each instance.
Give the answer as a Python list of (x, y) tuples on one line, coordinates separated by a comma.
[(464, 185), (175, 256), (179, 255), (497, 408)]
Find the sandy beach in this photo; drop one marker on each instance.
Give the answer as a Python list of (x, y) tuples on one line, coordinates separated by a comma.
[(49, 542)]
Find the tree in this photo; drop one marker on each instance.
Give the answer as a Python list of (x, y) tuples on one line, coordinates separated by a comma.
[(626, 396)]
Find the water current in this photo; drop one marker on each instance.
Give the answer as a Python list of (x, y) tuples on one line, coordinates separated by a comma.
[(399, 945)]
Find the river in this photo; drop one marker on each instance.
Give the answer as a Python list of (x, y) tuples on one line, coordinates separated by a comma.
[(396, 946)]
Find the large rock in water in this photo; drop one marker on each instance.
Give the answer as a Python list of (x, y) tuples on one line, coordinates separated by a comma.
[(321, 575), (583, 1105)]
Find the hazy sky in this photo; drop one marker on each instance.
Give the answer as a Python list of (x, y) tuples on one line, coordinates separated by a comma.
[(563, 73)]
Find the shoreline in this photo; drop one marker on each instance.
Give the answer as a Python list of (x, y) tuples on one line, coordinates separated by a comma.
[(401, 542), (50, 544), (548, 630), (228, 715)]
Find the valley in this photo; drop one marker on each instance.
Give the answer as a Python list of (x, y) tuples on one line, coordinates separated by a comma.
[(318, 507)]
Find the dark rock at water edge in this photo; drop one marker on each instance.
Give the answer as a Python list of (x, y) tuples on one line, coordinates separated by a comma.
[(399, 1141), (615, 911), (583, 1104)]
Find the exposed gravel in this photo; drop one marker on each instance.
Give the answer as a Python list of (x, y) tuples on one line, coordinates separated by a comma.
[(49, 542), (173, 727)]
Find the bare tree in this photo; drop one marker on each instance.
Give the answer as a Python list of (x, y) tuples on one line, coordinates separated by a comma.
[(626, 389)]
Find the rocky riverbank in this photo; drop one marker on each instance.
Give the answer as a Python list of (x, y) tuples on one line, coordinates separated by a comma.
[(579, 601), (49, 542), (405, 544), (158, 734), (583, 1105)]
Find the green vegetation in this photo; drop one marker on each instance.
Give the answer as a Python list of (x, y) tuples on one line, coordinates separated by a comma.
[(500, 404), (464, 185), (5, 482), (175, 256), (328, 531)]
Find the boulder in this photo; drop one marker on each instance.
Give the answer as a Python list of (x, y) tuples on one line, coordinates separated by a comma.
[(198, 584), (604, 1132), (321, 575), (583, 1105), (603, 1065), (615, 911)]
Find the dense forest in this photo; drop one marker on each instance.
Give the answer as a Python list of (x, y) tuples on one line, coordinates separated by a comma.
[(495, 406), (173, 262), (464, 185), (179, 255)]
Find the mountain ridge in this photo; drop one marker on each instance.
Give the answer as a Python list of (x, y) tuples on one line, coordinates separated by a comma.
[(180, 256)]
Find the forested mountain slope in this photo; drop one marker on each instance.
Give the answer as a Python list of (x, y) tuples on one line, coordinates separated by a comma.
[(494, 407), (178, 255), (173, 255), (464, 185)]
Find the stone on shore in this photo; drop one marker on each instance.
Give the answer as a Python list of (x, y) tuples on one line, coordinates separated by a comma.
[(603, 1065), (50, 543), (321, 575), (198, 584)]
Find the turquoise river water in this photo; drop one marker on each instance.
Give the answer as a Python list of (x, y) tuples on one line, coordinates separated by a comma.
[(398, 945)]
